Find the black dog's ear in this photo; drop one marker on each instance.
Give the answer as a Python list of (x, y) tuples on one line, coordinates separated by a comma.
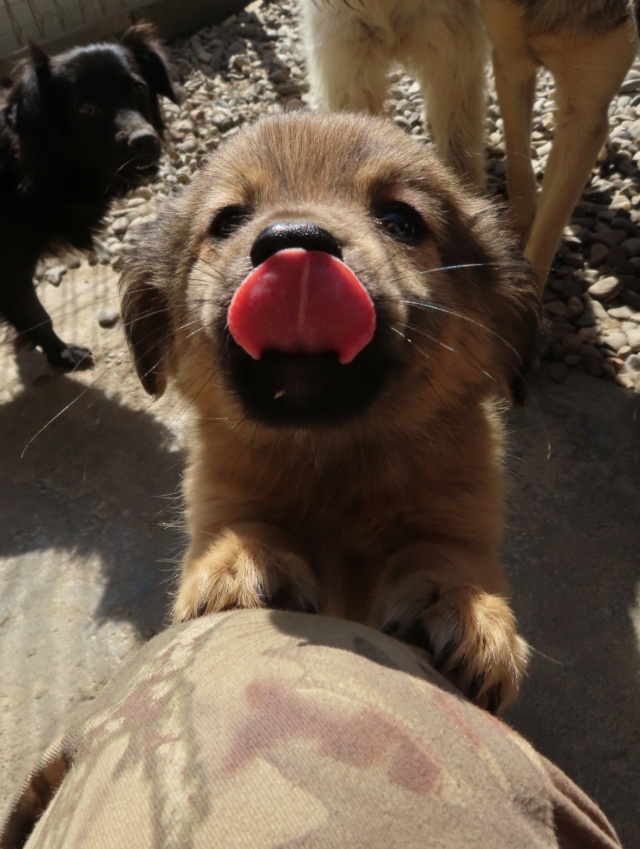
[(32, 80), (40, 60), (147, 325), (143, 42)]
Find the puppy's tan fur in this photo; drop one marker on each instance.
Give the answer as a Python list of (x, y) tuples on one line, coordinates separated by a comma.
[(392, 518), (588, 47)]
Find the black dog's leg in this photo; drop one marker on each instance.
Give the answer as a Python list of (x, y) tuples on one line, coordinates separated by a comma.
[(20, 305)]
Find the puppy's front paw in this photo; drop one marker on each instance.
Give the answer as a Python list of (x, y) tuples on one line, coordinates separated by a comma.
[(472, 638), (243, 570)]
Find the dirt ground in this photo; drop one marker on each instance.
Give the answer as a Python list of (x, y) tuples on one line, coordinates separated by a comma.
[(90, 534)]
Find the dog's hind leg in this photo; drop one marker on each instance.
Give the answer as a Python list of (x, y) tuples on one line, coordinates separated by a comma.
[(515, 77), (22, 308), (347, 66), (452, 73), (353, 79), (587, 76)]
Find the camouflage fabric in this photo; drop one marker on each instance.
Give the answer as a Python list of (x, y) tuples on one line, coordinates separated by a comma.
[(263, 729)]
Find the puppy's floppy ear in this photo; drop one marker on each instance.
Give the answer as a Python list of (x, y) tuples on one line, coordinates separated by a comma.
[(143, 42), (147, 325)]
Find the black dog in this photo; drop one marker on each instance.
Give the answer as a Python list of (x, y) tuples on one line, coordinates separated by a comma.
[(76, 130)]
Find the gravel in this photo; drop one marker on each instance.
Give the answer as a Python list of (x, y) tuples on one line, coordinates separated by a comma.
[(253, 64)]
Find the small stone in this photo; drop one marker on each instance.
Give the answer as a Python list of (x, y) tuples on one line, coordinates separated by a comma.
[(598, 253), (633, 363), (572, 360), (556, 308), (590, 352), (54, 275), (621, 313), (605, 288), (615, 341), (633, 338), (587, 319), (622, 223), (571, 343), (588, 334), (617, 255), (561, 328), (598, 310), (631, 298), (573, 260), (626, 380), (575, 307), (610, 237), (620, 203), (571, 289), (632, 246), (108, 317)]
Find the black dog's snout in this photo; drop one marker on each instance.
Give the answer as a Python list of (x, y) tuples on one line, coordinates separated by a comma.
[(144, 142), (293, 234)]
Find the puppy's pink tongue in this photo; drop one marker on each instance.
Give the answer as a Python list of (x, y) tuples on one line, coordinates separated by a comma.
[(302, 302)]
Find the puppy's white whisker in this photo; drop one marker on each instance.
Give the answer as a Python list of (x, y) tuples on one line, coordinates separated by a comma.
[(435, 308), (65, 408)]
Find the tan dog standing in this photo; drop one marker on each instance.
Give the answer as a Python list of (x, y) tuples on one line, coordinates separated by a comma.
[(351, 45), (588, 46), (340, 318)]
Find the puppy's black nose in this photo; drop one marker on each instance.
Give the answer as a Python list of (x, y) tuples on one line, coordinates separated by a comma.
[(144, 143), (293, 234)]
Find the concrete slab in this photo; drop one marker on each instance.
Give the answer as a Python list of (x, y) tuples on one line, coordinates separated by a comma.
[(88, 534)]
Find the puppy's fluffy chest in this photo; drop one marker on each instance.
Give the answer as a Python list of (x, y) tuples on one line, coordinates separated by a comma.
[(358, 497)]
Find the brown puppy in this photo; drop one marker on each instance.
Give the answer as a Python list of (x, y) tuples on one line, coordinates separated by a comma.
[(588, 46), (340, 316)]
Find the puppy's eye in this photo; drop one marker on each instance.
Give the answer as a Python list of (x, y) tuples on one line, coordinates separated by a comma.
[(401, 221), (227, 221), (139, 88), (88, 109)]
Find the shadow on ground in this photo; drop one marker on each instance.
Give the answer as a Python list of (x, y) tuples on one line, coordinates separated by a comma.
[(573, 555), (90, 477)]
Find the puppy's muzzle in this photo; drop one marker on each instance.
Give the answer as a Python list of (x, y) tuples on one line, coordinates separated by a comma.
[(302, 339)]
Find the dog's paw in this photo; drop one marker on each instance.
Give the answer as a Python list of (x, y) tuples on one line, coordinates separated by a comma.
[(472, 638), (239, 571), (71, 358)]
